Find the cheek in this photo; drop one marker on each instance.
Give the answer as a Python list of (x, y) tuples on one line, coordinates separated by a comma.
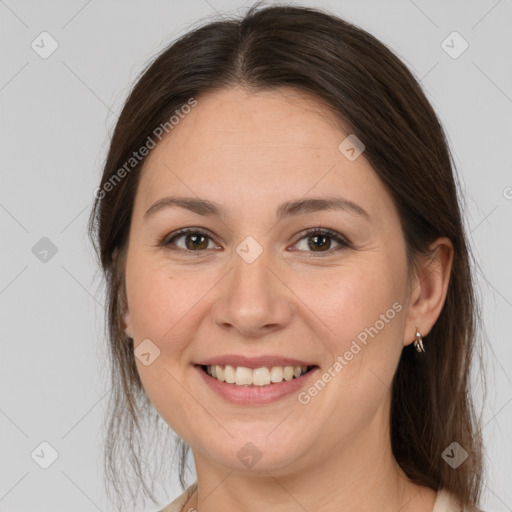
[(351, 300), (163, 304), (362, 307), (161, 299)]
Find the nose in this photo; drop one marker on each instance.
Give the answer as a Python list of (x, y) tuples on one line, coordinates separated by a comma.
[(253, 301)]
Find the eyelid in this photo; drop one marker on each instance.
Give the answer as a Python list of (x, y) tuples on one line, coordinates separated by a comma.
[(338, 237), (167, 239)]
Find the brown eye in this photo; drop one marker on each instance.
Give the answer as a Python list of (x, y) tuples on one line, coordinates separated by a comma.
[(191, 240), (194, 242), (321, 241)]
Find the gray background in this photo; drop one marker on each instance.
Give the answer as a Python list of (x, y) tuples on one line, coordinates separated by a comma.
[(56, 115)]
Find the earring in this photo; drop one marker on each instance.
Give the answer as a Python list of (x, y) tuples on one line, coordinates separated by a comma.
[(418, 342)]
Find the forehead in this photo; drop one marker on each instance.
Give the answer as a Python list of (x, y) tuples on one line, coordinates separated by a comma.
[(277, 117), (256, 148)]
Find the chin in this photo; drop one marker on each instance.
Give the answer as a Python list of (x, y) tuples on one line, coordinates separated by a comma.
[(257, 453)]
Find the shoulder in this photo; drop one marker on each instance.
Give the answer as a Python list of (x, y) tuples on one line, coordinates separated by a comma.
[(178, 504), (447, 502)]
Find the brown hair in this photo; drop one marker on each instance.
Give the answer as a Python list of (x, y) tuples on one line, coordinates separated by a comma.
[(379, 100)]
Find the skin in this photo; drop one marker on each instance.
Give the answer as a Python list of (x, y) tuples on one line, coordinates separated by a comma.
[(250, 152)]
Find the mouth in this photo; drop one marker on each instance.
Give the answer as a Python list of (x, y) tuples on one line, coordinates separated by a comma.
[(255, 377)]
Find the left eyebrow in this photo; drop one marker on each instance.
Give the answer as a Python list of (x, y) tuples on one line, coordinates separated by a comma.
[(302, 206), (196, 205), (287, 209)]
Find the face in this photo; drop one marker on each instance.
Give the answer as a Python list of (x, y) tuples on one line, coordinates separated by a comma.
[(258, 285)]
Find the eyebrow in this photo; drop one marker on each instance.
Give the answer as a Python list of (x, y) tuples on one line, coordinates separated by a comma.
[(287, 209)]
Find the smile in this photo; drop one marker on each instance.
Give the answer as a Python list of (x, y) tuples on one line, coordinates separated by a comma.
[(264, 376), (259, 385)]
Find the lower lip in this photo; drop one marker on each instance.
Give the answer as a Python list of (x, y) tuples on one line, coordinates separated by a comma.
[(250, 395)]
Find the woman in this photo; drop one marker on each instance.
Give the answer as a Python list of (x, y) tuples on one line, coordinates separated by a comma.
[(288, 276)]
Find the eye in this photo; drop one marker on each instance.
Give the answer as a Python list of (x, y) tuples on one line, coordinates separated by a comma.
[(321, 240), (190, 239)]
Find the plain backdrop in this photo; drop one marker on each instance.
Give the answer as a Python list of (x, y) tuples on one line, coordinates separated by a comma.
[(56, 116)]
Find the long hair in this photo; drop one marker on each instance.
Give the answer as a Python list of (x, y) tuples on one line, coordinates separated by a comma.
[(378, 99)]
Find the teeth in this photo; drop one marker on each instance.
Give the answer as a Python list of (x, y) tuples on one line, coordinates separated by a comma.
[(229, 374), (260, 377), (242, 376), (288, 372), (276, 373)]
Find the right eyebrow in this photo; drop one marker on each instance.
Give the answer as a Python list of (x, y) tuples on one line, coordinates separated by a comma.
[(289, 208)]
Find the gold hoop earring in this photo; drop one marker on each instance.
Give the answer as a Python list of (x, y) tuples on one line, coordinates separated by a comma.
[(418, 342)]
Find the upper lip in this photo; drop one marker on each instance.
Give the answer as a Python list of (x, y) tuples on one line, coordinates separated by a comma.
[(254, 362)]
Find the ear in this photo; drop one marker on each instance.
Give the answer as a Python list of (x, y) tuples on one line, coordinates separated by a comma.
[(126, 322), (429, 288), (127, 325)]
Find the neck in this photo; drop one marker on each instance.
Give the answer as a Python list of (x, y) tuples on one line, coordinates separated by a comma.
[(360, 474)]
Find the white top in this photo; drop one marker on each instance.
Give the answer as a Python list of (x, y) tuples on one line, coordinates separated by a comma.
[(445, 502)]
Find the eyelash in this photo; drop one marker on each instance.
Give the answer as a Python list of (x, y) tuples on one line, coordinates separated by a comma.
[(343, 242)]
